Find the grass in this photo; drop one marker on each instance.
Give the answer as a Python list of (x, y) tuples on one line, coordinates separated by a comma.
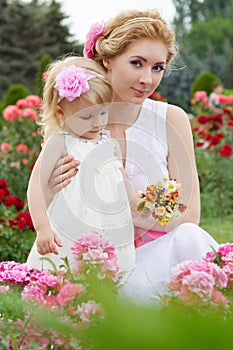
[(219, 228)]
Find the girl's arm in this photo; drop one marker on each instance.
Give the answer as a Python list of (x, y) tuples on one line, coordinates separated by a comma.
[(38, 200)]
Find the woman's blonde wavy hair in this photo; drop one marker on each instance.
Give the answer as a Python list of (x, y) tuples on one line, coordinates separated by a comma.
[(132, 25), (100, 91)]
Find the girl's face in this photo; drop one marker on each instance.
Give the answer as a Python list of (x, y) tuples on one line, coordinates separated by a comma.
[(83, 119), (136, 73)]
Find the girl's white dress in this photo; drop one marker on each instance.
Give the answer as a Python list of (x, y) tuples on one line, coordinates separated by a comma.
[(146, 155), (95, 201)]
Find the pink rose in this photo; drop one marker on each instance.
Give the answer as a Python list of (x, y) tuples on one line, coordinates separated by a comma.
[(68, 292), (22, 103), (225, 248), (72, 82), (21, 147), (11, 112), (85, 310), (29, 113), (33, 101), (200, 283), (219, 298), (200, 95), (4, 289), (96, 31), (5, 146)]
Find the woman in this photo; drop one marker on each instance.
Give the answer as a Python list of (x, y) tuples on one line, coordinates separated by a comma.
[(135, 48)]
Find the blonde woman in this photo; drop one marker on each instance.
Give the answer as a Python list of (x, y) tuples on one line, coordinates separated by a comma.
[(135, 48)]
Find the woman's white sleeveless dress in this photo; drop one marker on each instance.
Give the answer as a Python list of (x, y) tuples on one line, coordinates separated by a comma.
[(146, 147), (95, 201)]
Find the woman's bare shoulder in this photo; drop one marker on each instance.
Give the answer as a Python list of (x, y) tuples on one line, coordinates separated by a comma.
[(176, 115)]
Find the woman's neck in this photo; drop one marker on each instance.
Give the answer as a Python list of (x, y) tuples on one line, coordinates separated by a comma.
[(122, 114)]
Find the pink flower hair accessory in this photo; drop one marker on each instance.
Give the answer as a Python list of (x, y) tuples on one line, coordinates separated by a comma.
[(72, 82), (96, 31)]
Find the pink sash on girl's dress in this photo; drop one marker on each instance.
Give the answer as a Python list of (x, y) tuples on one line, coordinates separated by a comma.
[(143, 236)]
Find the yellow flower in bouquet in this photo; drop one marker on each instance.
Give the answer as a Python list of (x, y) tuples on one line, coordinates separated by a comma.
[(164, 200)]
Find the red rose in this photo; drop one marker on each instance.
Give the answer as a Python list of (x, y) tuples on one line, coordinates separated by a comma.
[(199, 143), (202, 119), (22, 223), (3, 183), (226, 150), (12, 223), (2, 194), (25, 217)]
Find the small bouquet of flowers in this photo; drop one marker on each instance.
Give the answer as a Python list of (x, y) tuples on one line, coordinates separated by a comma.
[(164, 200)]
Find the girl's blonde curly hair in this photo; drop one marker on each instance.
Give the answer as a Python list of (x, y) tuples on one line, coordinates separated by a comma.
[(100, 91)]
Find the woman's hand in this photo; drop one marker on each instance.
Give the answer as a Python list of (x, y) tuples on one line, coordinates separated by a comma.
[(64, 170)]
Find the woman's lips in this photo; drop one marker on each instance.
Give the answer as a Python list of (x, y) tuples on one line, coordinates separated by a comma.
[(140, 93)]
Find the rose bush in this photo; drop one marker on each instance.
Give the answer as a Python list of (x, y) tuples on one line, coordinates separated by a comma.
[(213, 135)]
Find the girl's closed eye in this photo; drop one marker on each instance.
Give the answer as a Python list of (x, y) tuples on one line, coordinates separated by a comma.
[(85, 117)]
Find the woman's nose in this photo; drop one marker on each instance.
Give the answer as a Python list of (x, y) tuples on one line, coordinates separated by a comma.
[(146, 76)]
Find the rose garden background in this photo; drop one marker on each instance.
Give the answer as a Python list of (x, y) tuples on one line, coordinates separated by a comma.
[(205, 58)]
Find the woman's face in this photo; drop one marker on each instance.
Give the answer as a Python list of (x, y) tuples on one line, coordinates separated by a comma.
[(136, 73)]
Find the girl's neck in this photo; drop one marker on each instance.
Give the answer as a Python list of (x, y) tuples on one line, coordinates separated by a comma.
[(122, 114)]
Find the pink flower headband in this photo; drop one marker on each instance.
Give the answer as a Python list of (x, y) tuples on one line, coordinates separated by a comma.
[(72, 82), (96, 31)]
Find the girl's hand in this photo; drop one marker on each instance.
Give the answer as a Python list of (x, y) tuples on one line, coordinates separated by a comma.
[(64, 170), (47, 242)]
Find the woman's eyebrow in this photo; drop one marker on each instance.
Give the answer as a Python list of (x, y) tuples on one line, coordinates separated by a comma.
[(145, 60)]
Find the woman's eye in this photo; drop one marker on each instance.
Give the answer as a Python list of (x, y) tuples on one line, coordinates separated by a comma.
[(159, 67), (136, 63)]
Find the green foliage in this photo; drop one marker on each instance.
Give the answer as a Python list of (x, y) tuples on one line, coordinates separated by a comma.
[(28, 30), (210, 37), (219, 227), (44, 62), (189, 12), (176, 85), (127, 326), (228, 92), (204, 82), (215, 174), (15, 93), (204, 29)]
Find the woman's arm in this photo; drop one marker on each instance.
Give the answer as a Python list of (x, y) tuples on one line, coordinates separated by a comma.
[(181, 161), (61, 175), (37, 197), (182, 168)]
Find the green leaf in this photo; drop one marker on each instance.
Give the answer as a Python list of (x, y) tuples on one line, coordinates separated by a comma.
[(141, 206)]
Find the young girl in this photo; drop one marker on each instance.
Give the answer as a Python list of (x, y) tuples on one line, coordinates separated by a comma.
[(75, 111)]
